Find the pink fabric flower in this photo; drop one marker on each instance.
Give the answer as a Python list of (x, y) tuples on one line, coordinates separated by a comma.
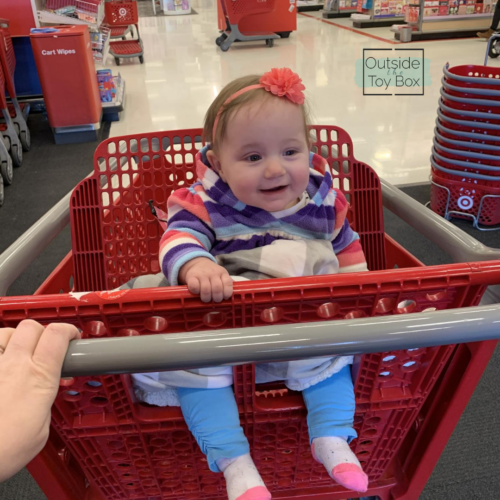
[(284, 82)]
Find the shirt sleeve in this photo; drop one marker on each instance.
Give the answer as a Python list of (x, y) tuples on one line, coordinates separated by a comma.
[(345, 241), (189, 233)]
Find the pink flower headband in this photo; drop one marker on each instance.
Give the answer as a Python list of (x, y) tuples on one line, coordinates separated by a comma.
[(281, 82)]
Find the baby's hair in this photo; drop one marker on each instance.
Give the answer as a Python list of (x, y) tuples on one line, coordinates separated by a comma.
[(240, 101)]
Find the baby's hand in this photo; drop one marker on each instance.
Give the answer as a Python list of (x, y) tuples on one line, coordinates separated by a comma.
[(206, 278)]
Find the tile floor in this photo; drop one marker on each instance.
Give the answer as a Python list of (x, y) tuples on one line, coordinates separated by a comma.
[(184, 70)]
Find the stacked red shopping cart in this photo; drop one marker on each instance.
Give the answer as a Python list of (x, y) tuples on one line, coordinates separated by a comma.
[(123, 18), (18, 112), (466, 152), (14, 133), (106, 445)]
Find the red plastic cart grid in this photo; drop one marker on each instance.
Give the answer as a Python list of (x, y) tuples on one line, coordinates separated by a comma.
[(18, 112), (408, 402), (124, 15)]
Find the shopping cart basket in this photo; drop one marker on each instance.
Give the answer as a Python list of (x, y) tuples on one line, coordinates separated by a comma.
[(408, 402), (18, 112), (123, 17), (234, 11)]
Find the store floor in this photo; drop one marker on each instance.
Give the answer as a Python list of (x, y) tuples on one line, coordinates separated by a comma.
[(184, 71)]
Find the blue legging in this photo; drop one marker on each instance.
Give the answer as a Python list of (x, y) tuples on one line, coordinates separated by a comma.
[(212, 416)]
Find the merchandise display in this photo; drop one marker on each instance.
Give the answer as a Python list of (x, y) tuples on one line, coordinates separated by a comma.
[(176, 7), (339, 8), (90, 12), (392, 8), (441, 8), (441, 19), (380, 12), (107, 85)]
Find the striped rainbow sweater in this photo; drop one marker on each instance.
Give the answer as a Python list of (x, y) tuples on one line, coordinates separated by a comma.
[(207, 220)]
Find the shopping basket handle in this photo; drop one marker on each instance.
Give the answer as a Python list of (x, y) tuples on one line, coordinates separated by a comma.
[(176, 351), (470, 79)]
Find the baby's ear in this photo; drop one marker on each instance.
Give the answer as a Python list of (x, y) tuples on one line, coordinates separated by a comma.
[(215, 163)]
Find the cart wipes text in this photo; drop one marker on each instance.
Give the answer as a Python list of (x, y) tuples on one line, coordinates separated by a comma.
[(61, 52)]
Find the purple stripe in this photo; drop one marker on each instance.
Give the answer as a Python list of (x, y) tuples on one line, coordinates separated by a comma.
[(185, 219), (344, 238)]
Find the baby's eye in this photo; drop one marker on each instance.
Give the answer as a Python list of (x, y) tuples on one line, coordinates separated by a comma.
[(253, 158), (290, 152)]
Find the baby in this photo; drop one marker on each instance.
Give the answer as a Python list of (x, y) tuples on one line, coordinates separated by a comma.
[(263, 207)]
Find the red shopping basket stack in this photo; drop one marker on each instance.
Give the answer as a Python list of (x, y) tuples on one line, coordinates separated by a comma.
[(236, 10), (122, 17), (18, 112), (466, 153), (408, 402)]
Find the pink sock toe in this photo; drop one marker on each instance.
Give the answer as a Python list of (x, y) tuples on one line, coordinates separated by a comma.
[(351, 477), (257, 493)]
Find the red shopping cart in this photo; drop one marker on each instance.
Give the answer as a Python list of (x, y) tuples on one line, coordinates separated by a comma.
[(105, 444), (6, 170), (18, 112), (7, 128), (123, 18), (235, 11)]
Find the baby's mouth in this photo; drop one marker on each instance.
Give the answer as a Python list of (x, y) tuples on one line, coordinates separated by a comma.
[(276, 189)]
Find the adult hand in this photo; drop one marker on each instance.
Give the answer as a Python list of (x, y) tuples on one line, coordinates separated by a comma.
[(31, 359), (206, 278)]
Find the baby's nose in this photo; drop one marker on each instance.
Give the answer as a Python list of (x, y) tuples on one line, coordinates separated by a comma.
[(274, 168)]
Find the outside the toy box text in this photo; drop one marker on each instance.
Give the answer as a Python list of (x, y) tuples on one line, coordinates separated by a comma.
[(393, 72)]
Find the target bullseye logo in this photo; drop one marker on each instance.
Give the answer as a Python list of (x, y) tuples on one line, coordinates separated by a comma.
[(465, 202), (122, 12)]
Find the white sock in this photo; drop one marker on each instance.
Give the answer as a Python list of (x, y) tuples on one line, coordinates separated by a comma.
[(340, 462), (332, 451), (242, 477)]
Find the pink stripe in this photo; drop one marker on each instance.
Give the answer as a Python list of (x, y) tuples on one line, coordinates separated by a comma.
[(256, 493), (232, 98)]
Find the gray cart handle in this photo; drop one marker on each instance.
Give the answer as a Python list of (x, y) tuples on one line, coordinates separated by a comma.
[(483, 80)]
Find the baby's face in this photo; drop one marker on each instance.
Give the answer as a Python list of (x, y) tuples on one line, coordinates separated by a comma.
[(264, 156)]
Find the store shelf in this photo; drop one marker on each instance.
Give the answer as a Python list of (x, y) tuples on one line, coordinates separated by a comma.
[(440, 35), (456, 18), (309, 5), (384, 22), (86, 13), (340, 13), (111, 110), (46, 17)]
